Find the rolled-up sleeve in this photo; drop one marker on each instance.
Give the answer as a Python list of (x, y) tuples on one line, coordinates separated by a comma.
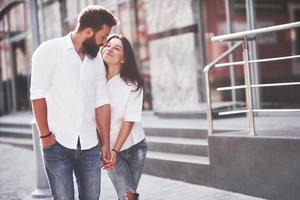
[(43, 65), (134, 106), (102, 96)]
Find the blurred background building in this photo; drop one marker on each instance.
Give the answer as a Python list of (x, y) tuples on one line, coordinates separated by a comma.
[(172, 43)]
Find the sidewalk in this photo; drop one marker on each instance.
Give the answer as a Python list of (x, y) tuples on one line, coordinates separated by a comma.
[(17, 181)]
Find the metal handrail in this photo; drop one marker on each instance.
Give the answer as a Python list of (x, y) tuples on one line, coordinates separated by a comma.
[(257, 61), (207, 85), (222, 56), (244, 36), (251, 33), (257, 86), (257, 110)]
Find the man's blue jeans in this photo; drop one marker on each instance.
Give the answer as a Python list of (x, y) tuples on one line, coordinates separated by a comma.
[(128, 170), (61, 162)]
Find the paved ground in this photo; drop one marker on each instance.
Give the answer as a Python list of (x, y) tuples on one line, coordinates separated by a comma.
[(17, 181)]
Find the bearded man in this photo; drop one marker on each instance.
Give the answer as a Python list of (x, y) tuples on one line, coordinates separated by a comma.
[(70, 102)]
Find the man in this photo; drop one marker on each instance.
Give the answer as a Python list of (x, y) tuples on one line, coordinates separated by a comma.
[(69, 99)]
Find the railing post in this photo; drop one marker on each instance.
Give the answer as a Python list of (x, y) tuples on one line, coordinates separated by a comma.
[(208, 103), (207, 84), (250, 115), (42, 187)]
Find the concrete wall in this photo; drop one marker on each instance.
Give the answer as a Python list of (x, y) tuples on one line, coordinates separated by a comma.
[(266, 167), (173, 63)]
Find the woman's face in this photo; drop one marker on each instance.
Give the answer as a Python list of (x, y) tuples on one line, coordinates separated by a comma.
[(113, 52)]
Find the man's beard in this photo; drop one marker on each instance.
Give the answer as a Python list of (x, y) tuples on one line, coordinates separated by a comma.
[(90, 47)]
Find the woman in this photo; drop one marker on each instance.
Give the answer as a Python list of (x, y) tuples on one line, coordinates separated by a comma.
[(127, 137)]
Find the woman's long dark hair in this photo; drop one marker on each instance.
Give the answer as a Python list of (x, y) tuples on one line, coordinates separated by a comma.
[(129, 70)]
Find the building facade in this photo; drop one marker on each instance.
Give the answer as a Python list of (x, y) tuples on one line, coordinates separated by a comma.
[(172, 43)]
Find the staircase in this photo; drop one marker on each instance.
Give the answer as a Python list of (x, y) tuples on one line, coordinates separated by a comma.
[(16, 133), (174, 153)]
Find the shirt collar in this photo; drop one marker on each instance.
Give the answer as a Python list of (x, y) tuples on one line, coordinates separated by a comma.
[(68, 42)]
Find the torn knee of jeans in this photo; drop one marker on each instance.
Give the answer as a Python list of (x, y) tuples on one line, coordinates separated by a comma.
[(131, 195)]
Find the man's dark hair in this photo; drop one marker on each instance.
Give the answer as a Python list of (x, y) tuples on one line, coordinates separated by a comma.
[(94, 17)]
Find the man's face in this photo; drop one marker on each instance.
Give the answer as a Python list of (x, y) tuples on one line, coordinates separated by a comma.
[(93, 44), (102, 34)]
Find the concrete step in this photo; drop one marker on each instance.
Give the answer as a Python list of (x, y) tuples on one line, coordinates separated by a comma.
[(173, 157), (15, 132), (188, 168), (188, 146), (21, 125), (20, 142), (172, 132)]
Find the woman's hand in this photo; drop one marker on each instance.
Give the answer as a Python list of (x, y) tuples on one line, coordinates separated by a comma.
[(113, 158), (112, 162)]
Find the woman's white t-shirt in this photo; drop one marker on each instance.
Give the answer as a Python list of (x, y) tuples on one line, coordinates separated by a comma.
[(126, 105)]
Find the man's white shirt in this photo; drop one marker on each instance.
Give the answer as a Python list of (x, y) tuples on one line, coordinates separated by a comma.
[(72, 88)]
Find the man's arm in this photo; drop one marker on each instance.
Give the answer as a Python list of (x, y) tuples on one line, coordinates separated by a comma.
[(102, 115), (40, 112), (43, 65)]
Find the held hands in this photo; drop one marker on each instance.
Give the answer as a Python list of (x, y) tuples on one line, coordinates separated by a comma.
[(110, 164)]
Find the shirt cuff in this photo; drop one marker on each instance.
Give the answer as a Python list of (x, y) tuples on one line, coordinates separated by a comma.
[(101, 103), (37, 95), (132, 118)]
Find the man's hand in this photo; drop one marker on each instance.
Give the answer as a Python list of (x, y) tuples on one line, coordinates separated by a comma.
[(48, 141), (105, 155)]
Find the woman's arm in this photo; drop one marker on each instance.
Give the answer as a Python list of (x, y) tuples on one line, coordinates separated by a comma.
[(133, 113), (123, 134)]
